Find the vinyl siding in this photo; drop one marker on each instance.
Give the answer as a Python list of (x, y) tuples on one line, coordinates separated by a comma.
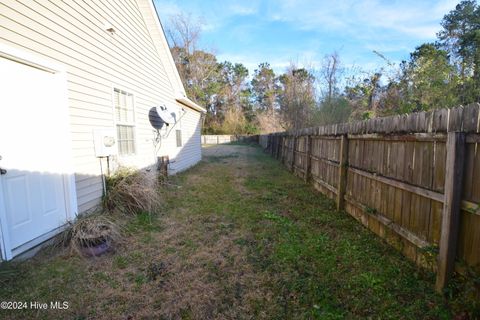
[(161, 42), (134, 59), (191, 151)]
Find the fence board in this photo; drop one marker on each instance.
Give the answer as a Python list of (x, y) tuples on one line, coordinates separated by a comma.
[(451, 207), (223, 139), (396, 174)]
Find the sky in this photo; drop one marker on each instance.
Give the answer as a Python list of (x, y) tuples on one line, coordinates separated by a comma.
[(304, 31)]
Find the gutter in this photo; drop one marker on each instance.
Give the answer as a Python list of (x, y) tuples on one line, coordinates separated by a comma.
[(189, 103)]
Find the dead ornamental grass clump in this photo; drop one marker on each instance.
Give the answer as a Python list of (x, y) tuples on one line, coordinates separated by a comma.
[(131, 192), (93, 235)]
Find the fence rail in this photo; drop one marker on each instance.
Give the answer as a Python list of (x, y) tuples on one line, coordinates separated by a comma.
[(414, 180)]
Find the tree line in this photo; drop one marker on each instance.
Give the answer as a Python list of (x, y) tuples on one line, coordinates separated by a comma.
[(443, 73)]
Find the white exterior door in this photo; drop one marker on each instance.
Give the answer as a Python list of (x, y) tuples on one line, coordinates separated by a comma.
[(35, 191)]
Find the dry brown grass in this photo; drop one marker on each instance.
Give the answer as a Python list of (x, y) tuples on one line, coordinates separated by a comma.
[(131, 192), (236, 241), (87, 231), (192, 268), (213, 278)]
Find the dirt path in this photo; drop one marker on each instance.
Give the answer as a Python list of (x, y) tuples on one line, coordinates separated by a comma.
[(236, 158), (210, 276)]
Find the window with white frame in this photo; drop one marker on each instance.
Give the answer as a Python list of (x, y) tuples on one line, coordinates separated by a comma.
[(179, 137), (125, 121)]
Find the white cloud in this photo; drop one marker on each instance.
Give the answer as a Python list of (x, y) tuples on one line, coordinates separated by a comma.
[(279, 61), (209, 27), (418, 19), (167, 8), (360, 26), (242, 9), (251, 61)]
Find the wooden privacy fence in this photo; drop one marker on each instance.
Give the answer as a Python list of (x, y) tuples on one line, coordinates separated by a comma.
[(225, 138), (413, 179)]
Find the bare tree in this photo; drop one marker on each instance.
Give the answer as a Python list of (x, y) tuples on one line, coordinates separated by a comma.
[(184, 32), (296, 97), (269, 122), (198, 68), (330, 74)]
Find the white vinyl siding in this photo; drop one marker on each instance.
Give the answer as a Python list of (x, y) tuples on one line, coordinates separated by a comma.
[(191, 151), (73, 34)]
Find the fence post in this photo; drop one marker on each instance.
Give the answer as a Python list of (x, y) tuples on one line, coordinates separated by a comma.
[(280, 143), (308, 148), (277, 151), (281, 148), (270, 144), (342, 172), (451, 208), (293, 154), (277, 145), (274, 144)]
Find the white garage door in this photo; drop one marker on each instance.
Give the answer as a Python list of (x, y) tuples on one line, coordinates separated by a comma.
[(35, 184)]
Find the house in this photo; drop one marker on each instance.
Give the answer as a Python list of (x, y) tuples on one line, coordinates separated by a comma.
[(71, 74)]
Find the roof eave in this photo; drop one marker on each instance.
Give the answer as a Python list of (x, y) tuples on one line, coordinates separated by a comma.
[(189, 103)]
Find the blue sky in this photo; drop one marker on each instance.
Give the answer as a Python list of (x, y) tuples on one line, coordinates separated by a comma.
[(304, 31)]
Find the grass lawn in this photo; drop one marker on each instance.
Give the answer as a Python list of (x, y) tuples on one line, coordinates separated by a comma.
[(239, 238)]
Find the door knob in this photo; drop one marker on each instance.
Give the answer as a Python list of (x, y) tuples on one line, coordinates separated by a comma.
[(3, 171)]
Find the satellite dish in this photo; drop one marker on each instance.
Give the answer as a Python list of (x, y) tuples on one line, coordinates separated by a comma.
[(155, 119), (166, 114)]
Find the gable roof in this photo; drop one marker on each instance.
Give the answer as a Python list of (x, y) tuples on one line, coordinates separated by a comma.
[(150, 15)]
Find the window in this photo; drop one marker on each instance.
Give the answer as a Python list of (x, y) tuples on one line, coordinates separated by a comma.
[(179, 138), (125, 120)]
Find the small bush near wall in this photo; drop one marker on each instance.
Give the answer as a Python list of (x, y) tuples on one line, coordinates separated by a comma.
[(93, 234), (131, 192)]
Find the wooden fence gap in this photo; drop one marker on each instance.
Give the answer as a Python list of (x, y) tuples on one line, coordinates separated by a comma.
[(451, 208), (308, 157), (342, 172)]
